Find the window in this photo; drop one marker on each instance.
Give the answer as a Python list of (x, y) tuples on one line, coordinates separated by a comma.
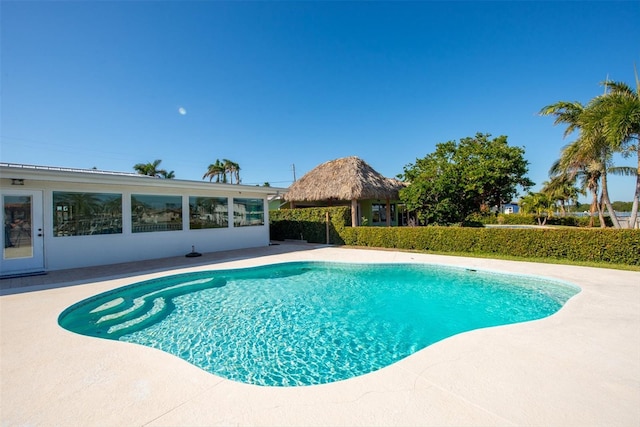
[(208, 212), (247, 212), (83, 214), (155, 213), (379, 213)]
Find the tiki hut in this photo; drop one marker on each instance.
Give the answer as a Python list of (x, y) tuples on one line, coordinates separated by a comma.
[(346, 179)]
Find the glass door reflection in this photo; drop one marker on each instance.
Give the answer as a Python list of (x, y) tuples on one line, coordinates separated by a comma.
[(18, 238)]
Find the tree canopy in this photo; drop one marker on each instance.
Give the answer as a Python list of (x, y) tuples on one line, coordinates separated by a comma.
[(464, 177)]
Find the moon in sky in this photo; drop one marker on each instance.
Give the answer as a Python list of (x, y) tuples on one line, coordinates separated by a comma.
[(182, 111)]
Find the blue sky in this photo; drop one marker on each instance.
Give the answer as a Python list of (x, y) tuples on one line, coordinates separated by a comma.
[(272, 84)]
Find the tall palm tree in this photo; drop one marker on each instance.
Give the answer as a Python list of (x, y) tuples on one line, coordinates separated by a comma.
[(236, 171), (576, 163), (589, 182), (216, 170), (233, 169), (152, 169), (591, 145), (220, 169), (620, 112)]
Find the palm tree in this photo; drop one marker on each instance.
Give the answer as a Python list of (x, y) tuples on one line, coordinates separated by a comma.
[(236, 171), (578, 164), (151, 169), (233, 169), (216, 170), (620, 112), (591, 147), (168, 175), (575, 163), (589, 182), (220, 169), (538, 204), (561, 188)]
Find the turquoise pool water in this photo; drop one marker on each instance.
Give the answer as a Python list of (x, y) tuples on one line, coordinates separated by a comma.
[(305, 323)]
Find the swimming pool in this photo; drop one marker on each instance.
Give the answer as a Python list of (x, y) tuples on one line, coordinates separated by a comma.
[(305, 323)]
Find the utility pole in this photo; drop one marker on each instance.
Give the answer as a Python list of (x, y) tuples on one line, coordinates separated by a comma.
[(293, 167)]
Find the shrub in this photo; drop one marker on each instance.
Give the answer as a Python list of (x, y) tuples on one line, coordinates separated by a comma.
[(309, 224), (483, 218)]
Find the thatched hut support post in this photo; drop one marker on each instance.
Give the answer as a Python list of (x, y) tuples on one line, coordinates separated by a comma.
[(327, 225), (354, 213), (388, 209)]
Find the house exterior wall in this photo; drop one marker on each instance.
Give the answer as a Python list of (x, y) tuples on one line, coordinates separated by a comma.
[(72, 251)]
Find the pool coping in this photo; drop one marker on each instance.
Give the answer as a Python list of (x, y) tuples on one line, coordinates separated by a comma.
[(580, 366)]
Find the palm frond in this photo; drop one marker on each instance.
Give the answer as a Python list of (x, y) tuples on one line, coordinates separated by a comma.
[(623, 170)]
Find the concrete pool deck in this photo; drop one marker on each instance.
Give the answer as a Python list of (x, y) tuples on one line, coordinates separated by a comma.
[(578, 367)]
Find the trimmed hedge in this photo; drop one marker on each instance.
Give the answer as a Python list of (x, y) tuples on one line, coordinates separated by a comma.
[(309, 224), (527, 219), (579, 244), (608, 245)]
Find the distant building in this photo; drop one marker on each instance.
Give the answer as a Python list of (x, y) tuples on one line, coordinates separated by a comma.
[(510, 208)]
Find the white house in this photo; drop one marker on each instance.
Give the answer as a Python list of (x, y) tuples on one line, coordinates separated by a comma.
[(510, 208), (57, 218)]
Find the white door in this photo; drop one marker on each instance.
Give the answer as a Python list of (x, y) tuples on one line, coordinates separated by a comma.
[(22, 239)]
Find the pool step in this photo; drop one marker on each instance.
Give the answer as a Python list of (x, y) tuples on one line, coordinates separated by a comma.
[(159, 306), (119, 318)]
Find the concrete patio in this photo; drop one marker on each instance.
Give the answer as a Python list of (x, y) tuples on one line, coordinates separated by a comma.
[(579, 367)]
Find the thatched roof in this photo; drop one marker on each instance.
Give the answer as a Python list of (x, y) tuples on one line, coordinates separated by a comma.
[(343, 179)]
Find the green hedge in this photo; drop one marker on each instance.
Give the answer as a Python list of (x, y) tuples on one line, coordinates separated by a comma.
[(526, 219), (310, 224), (574, 244), (608, 245)]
